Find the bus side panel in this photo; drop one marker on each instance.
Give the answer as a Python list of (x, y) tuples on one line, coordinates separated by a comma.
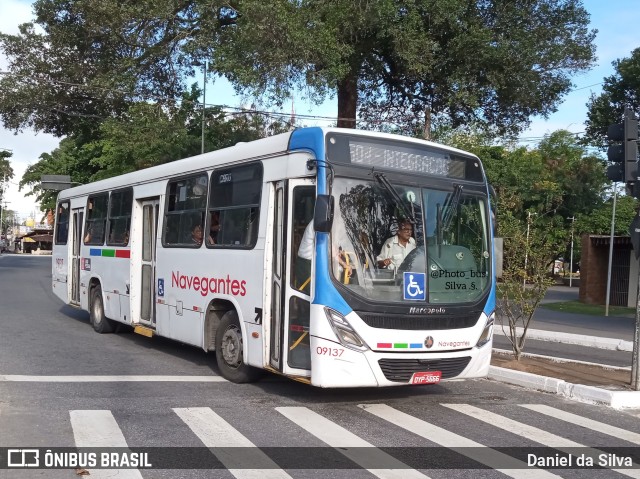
[(60, 271)]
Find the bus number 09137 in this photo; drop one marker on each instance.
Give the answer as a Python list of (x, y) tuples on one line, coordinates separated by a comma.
[(324, 351)]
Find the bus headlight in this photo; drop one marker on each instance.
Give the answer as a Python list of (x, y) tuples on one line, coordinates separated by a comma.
[(345, 333), (487, 332)]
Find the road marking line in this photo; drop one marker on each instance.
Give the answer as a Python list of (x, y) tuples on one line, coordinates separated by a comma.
[(100, 429), (109, 379), (534, 434), (584, 422), (215, 432), (338, 437), (474, 450)]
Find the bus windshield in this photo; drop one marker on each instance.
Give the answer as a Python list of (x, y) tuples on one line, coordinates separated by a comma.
[(382, 230)]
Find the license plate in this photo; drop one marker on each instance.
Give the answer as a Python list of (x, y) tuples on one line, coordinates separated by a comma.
[(428, 377)]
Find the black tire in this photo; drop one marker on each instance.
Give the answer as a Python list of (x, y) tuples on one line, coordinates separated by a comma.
[(229, 349), (101, 324)]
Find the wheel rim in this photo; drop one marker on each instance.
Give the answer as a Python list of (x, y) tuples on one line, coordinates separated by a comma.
[(232, 347), (97, 310)]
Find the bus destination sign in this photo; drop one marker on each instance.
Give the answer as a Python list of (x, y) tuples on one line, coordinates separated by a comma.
[(400, 156)]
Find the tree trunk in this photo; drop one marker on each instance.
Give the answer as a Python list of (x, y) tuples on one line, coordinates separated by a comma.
[(347, 101), (426, 134)]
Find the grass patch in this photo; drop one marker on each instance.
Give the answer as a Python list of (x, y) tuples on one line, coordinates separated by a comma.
[(591, 309)]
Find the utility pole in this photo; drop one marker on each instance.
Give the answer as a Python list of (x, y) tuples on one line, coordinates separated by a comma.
[(573, 219), (4, 179), (613, 227)]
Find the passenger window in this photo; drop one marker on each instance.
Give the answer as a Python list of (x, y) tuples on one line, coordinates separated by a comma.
[(95, 225), (62, 223), (186, 206), (120, 217), (234, 206)]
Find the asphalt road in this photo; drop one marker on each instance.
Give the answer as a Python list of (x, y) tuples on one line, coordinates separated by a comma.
[(42, 340)]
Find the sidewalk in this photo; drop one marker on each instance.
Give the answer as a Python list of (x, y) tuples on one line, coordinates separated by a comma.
[(613, 333)]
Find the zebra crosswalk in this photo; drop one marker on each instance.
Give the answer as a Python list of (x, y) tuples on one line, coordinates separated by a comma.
[(396, 441)]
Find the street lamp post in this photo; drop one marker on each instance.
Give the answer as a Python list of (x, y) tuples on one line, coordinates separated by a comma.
[(526, 250), (204, 101), (2, 228)]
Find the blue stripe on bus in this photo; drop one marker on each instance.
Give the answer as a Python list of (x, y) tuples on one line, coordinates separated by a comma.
[(312, 139), (325, 292), (415, 345), (95, 252)]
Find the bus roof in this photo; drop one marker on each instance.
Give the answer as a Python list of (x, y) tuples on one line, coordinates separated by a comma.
[(302, 138)]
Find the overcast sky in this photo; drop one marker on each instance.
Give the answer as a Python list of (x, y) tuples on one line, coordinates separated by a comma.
[(615, 20)]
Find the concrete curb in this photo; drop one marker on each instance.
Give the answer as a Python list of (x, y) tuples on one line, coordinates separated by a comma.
[(578, 339), (615, 398)]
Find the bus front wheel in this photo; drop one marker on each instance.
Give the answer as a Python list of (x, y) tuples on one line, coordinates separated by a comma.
[(101, 324), (229, 350)]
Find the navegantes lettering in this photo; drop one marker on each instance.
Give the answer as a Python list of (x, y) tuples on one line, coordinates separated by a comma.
[(206, 285)]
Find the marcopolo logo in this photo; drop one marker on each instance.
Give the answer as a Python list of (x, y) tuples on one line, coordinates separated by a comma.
[(206, 285)]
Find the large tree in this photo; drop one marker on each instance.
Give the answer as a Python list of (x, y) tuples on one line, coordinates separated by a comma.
[(620, 90), (411, 61)]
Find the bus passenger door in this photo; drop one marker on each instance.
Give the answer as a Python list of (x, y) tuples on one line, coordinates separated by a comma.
[(292, 278), (148, 261), (76, 242)]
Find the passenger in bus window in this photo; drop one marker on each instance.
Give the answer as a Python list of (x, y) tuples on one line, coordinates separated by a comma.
[(88, 235), (396, 248), (214, 229), (196, 234)]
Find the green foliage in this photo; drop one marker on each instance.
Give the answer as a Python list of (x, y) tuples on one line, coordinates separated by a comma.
[(525, 277), (598, 221), (70, 158), (6, 172), (620, 90), (413, 62), (538, 190), (145, 135)]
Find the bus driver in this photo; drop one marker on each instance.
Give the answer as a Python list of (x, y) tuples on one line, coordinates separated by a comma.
[(396, 248)]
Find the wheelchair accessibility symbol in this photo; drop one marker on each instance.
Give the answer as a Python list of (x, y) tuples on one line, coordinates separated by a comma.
[(414, 286)]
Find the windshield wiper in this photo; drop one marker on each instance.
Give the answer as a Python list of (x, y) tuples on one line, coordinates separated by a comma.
[(453, 205), (394, 194)]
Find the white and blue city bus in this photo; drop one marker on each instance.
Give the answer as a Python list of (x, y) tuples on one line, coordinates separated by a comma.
[(205, 251)]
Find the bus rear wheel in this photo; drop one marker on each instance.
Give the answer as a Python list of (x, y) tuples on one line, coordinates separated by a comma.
[(229, 351), (101, 324)]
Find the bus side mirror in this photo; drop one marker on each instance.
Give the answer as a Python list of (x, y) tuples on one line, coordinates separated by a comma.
[(323, 214)]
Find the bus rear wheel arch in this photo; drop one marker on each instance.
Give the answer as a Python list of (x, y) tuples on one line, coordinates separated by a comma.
[(229, 351)]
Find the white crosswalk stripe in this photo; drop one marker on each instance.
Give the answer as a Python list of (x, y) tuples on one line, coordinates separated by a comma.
[(215, 432), (237, 452), (100, 429), (478, 452), (584, 422), (356, 449), (533, 433)]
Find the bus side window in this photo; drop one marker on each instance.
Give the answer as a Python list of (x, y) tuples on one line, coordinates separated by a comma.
[(62, 223), (186, 206), (96, 218), (234, 202)]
